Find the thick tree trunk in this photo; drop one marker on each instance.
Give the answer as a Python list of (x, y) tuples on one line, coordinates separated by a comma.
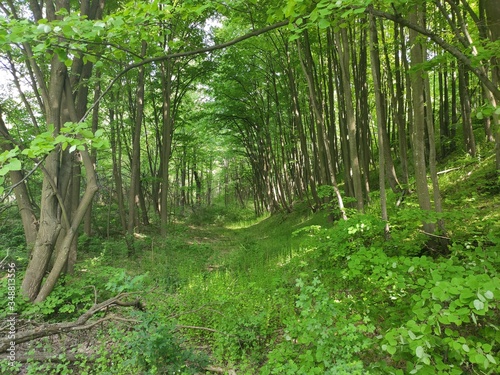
[(52, 207), (50, 224), (70, 236)]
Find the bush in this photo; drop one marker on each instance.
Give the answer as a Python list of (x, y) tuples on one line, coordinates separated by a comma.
[(322, 338)]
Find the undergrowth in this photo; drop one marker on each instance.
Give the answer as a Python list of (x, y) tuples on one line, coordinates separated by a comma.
[(291, 293)]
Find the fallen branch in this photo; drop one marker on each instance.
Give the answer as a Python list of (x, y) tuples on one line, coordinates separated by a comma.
[(80, 324), (434, 235), (455, 169)]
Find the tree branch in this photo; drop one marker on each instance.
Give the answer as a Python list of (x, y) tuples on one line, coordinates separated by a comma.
[(182, 54), (459, 55), (80, 324)]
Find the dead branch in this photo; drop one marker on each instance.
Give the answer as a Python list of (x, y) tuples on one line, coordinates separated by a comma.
[(434, 235), (455, 169), (82, 323)]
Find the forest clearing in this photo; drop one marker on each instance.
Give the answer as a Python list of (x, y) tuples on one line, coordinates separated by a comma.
[(249, 187)]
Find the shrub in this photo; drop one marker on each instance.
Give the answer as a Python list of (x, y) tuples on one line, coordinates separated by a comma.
[(322, 338)]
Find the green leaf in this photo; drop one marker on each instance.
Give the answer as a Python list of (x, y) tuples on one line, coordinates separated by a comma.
[(478, 305), (419, 351), (491, 358), (489, 294), (44, 28), (15, 165), (323, 23), (412, 335), (359, 10)]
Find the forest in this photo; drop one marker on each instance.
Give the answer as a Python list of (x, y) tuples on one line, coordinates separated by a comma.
[(249, 187)]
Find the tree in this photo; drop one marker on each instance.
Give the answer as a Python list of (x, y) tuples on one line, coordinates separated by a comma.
[(62, 83)]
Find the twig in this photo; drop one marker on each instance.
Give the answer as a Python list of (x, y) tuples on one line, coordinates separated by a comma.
[(3, 260), (9, 190), (95, 293), (433, 235), (454, 169)]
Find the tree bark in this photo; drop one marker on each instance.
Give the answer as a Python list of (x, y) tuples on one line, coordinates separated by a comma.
[(468, 133), (418, 104), (23, 201), (344, 51), (166, 147), (53, 208), (381, 118), (492, 10), (133, 199)]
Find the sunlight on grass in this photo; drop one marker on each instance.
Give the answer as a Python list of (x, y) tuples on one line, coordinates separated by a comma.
[(247, 223)]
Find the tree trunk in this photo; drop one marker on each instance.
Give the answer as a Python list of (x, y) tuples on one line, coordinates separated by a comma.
[(23, 201), (381, 117), (166, 147), (116, 157), (344, 51), (135, 161), (50, 224), (397, 117), (468, 133), (418, 104), (297, 122), (492, 10), (52, 206), (87, 225), (70, 236)]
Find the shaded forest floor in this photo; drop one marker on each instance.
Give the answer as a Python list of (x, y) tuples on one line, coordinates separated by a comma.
[(225, 292)]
